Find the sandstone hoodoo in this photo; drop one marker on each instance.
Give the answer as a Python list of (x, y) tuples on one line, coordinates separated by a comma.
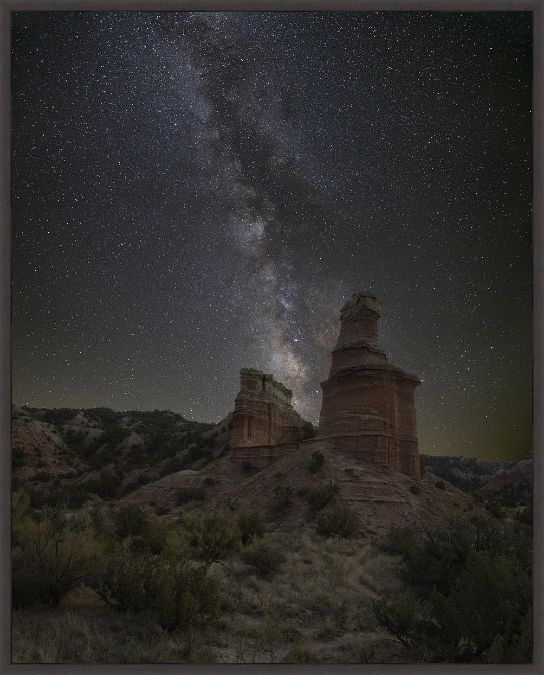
[(264, 422), (368, 409)]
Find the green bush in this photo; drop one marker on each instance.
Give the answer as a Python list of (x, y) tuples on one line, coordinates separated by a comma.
[(71, 496), (281, 502), (186, 597), (470, 593), (126, 579), (172, 465), (317, 461), (52, 555), (307, 431), (399, 540), (318, 497), (483, 619), (59, 496), (497, 511), (181, 596), (264, 556), (129, 521), (338, 520), (213, 536), (251, 526), (106, 486), (18, 457)]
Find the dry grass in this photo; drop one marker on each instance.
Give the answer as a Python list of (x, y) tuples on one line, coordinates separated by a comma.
[(316, 608), (93, 636)]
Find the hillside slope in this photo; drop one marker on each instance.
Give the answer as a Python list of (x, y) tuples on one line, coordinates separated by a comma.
[(171, 465)]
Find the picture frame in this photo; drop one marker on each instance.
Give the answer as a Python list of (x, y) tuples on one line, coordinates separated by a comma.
[(534, 6)]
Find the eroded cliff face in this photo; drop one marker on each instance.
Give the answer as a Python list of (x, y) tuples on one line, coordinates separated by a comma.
[(368, 408), (263, 418)]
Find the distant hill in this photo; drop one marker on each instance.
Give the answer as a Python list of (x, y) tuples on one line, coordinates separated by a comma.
[(495, 483), (104, 452)]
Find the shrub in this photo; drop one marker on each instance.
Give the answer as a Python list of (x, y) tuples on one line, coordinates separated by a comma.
[(182, 596), (172, 465), (281, 502), (18, 457), (415, 489), (129, 521), (307, 431), (106, 486), (126, 579), (316, 463), (437, 557), (317, 498), (157, 536), (213, 536), (264, 556), (52, 555), (497, 511), (209, 482), (440, 485), (251, 525), (473, 602), (71, 496), (482, 618), (97, 517), (189, 494), (186, 597), (339, 520), (399, 540)]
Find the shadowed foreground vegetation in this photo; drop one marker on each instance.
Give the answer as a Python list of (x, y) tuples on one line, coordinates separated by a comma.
[(120, 585)]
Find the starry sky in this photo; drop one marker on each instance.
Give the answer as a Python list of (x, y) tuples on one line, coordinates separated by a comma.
[(194, 193)]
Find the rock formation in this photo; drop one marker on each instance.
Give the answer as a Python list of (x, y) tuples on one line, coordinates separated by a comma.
[(263, 419), (368, 408)]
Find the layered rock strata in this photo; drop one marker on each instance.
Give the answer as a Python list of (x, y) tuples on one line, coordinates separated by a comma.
[(368, 409), (265, 426)]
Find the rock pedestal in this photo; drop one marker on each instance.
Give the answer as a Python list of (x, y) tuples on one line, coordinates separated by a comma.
[(368, 408), (263, 419)]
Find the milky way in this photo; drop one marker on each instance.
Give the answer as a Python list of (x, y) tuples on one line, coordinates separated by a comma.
[(194, 193)]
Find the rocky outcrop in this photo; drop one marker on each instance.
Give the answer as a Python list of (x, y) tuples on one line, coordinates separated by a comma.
[(263, 419), (368, 408)]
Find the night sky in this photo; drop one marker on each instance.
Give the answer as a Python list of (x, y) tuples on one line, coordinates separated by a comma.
[(194, 193)]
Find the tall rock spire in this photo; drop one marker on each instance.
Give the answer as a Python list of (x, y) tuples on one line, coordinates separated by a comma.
[(368, 407)]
